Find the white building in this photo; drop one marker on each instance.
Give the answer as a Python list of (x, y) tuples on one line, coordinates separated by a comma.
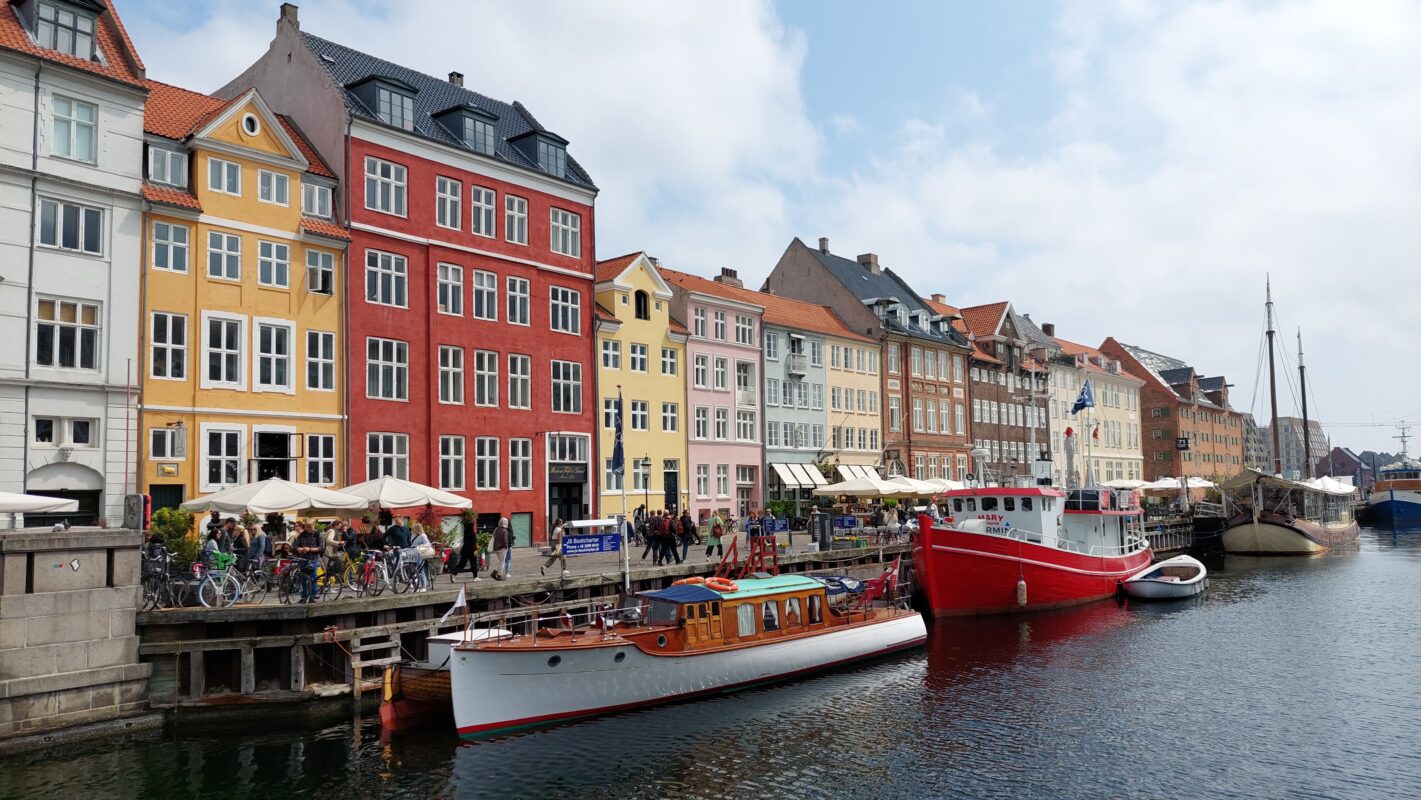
[(1107, 439), (71, 159)]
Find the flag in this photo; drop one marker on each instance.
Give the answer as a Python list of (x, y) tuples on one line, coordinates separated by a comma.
[(1086, 400), (462, 601), (619, 466)]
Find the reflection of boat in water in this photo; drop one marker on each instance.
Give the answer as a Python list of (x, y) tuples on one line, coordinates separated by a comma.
[(1172, 579)]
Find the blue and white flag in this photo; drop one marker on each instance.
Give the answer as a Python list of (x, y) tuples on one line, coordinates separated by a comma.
[(618, 459), (1086, 400)]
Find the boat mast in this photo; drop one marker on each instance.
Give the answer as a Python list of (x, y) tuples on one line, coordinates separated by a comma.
[(1273, 383), (1303, 390)]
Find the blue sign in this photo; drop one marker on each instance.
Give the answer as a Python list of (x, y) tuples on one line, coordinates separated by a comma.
[(595, 543), (846, 522), (778, 526)]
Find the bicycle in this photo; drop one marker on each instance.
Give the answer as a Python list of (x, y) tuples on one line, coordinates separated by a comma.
[(408, 571), (157, 580), (374, 576), (254, 582), (327, 582), (217, 587)]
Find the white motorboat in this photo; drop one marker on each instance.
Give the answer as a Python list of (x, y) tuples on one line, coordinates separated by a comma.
[(1172, 579)]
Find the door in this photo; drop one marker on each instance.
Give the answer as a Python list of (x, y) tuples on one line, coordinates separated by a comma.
[(743, 495), (714, 627), (273, 456), (522, 522), (166, 495), (671, 479), (565, 501)]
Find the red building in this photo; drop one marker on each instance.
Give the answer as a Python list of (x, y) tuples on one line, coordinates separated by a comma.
[(469, 349)]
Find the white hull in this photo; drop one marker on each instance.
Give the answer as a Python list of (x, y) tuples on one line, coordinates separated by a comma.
[(496, 690), (1266, 538), (1165, 590)]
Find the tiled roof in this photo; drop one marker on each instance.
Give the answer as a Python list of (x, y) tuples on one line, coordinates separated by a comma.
[(778, 310), (120, 59), (174, 112), (433, 95), (169, 195), (1176, 377), (602, 313), (324, 227), (1168, 370), (1072, 348), (676, 326), (983, 320), (318, 164), (609, 269)]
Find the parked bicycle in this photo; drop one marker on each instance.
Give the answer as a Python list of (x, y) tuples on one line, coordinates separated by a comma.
[(157, 581), (306, 572), (372, 577), (217, 586)]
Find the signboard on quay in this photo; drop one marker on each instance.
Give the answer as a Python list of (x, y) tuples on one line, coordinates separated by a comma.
[(589, 544)]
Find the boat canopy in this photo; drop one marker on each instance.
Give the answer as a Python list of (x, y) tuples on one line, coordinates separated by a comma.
[(683, 594), (1245, 479), (756, 587)]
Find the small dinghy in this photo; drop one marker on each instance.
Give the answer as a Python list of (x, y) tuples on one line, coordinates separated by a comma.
[(1172, 579)]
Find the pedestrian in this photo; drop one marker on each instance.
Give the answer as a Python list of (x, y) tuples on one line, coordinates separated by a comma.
[(215, 544), (397, 536), (717, 529), (501, 545), (689, 534), (670, 530), (213, 522), (555, 551), (307, 547), (468, 548), (752, 525), (643, 528)]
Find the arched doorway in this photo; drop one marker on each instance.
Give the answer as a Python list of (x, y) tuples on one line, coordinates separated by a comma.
[(72, 482)]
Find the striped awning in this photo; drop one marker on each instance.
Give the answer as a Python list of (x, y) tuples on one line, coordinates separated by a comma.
[(853, 471), (799, 476)]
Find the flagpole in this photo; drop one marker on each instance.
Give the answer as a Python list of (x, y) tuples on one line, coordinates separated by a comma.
[(618, 466)]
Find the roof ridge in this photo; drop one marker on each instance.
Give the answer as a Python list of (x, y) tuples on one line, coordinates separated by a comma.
[(528, 116), (601, 261)]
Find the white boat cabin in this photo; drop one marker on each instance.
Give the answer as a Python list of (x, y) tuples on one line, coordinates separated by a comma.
[(1098, 521)]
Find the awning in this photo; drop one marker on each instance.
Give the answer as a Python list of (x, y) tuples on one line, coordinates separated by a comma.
[(684, 593), (851, 472), (798, 476)]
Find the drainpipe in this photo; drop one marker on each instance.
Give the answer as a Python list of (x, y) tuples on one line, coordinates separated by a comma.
[(346, 433), (30, 279)]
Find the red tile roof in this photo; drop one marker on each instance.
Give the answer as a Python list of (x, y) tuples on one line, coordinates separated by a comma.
[(941, 308), (677, 327), (168, 195), (318, 164), (325, 227), (983, 320), (778, 310), (602, 312), (1074, 349), (609, 269), (173, 112), (121, 62)]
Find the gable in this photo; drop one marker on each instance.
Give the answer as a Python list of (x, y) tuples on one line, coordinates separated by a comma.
[(247, 123)]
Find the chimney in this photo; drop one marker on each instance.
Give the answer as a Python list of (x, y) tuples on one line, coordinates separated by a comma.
[(457, 78), (289, 16), (1049, 328), (729, 277), (824, 244), (869, 261), (939, 297)]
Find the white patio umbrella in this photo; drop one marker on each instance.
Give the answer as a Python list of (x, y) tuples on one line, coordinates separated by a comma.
[(867, 486), (1173, 485), (11, 503), (912, 487), (396, 493), (275, 495), (1127, 483), (947, 485)]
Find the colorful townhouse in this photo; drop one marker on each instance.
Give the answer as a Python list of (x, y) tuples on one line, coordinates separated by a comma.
[(723, 392), (471, 281), (923, 357), (243, 344), (642, 358), (71, 155), (1107, 438)]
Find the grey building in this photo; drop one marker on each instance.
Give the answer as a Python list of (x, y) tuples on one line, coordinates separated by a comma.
[(1294, 451)]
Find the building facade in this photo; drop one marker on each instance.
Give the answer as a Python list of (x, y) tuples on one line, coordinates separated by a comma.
[(244, 352), (71, 156), (924, 408), (723, 393), (1255, 452), (1108, 435), (642, 353), (1344, 464), (1295, 452), (471, 290)]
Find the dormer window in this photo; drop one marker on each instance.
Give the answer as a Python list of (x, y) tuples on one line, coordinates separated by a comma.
[(66, 29), (167, 166), (395, 108), (471, 125), (547, 150), (552, 158), (902, 316), (643, 305)]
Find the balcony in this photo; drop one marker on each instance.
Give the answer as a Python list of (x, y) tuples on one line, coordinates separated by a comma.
[(745, 397), (796, 364)]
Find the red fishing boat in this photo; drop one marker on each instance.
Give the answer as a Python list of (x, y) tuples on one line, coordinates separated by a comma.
[(1005, 550)]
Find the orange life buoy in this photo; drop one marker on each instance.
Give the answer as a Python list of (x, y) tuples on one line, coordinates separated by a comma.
[(722, 585), (684, 581)]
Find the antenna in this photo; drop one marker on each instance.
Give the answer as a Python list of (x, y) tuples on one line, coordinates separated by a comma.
[(1403, 436)]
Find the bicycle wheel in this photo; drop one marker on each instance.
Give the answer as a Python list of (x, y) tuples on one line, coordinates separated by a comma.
[(286, 590), (350, 576), (378, 580), (329, 587), (403, 579), (209, 592), (298, 582), (254, 588), (152, 590)]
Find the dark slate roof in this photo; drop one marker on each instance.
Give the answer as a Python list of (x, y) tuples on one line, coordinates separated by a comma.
[(886, 284), (1211, 384), (1030, 331), (347, 66), (1174, 377)]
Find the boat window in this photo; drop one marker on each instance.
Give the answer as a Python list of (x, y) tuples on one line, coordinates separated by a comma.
[(1008, 503), (745, 617), (1026, 504), (792, 617), (772, 615), (663, 613), (816, 609), (989, 504), (957, 504), (971, 504), (715, 609)]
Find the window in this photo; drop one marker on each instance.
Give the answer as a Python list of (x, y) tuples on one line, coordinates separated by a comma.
[(515, 219), (273, 187), (518, 301), (273, 346), (71, 227), (641, 480), (223, 351), (744, 330), (273, 264), (772, 346), (163, 443), (638, 357), (916, 362), (722, 424), (745, 426), (611, 354), (170, 246), (917, 414), (960, 416), (485, 295), (772, 391), (321, 361), (222, 457), (478, 134), (721, 374), (893, 360), (611, 481), (387, 455), (702, 429), (670, 417), (639, 415), (386, 279), (224, 256), (520, 391), (873, 362), (566, 233), (699, 322), (386, 369), (816, 393), (66, 30), (451, 462), (451, 374), (384, 186), (224, 176), (320, 459), (316, 200), (668, 361), (520, 463), (772, 433), (816, 353), (67, 334), (700, 371), (395, 108), (447, 206), (720, 326), (482, 202), (722, 480), (567, 387), (564, 310), (167, 166), (642, 305), (450, 294), (745, 619), (609, 413), (486, 462), (552, 158), (169, 337), (702, 480), (485, 378)]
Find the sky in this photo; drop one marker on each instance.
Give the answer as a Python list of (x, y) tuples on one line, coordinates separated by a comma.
[(1116, 167)]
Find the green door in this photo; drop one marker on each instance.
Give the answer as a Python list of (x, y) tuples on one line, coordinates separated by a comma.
[(522, 523), (166, 495)]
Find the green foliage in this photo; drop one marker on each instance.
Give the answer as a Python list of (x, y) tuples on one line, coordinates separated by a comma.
[(249, 520), (890, 502), (171, 523), (780, 508)]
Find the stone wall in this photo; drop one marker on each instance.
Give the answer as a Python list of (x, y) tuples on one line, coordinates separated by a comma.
[(68, 644)]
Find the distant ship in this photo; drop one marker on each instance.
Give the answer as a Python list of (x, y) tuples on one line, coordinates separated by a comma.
[(1396, 497)]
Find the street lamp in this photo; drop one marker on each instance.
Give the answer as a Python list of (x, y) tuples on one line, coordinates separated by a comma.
[(645, 465)]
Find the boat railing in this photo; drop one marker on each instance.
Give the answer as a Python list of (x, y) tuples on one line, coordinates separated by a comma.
[(1132, 544), (604, 614)]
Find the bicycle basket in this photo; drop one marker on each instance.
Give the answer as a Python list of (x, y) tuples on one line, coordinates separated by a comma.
[(223, 560)]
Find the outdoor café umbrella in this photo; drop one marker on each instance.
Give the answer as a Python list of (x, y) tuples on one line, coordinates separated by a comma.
[(866, 486), (947, 484), (912, 487), (396, 493), (1172, 485), (1128, 483), (11, 503), (275, 495)]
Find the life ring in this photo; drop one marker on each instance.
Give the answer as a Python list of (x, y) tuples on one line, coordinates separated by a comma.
[(684, 581), (722, 585)]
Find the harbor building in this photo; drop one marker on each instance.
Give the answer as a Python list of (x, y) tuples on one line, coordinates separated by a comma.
[(472, 241), (1255, 452), (923, 357), (71, 235), (642, 351), (1343, 463), (1108, 437), (243, 345), (1294, 450)]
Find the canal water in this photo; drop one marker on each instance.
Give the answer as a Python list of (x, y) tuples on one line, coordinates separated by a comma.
[(1289, 678)]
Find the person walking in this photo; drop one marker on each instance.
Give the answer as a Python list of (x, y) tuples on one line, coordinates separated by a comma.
[(643, 527), (670, 535), (502, 546), (688, 534), (717, 530), (555, 552), (468, 549)]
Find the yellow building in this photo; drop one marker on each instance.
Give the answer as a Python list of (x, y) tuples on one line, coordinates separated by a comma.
[(241, 366), (855, 412), (641, 349)]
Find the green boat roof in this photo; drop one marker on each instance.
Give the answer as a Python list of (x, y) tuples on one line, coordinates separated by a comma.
[(758, 587)]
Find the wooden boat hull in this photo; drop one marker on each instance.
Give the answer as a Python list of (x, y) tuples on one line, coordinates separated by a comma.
[(414, 696), (964, 573), (1142, 586), (497, 691), (1277, 535)]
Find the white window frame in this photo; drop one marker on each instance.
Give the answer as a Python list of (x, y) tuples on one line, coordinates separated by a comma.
[(321, 355), (484, 304), (451, 375), (173, 163), (670, 417), (700, 371), (320, 263), (703, 481), (520, 381), (273, 257), (451, 463), (637, 357), (640, 417), (448, 203), (86, 217), (396, 267), (316, 200), (449, 293), (520, 464), (320, 459), (670, 364), (702, 426), (227, 255), (515, 219), (165, 242), (386, 187), (721, 428), (224, 177), (483, 207), (397, 456), (167, 346), (258, 357), (486, 457), (519, 311), (566, 388), (204, 380), (565, 233), (173, 446), (565, 309), (399, 390), (486, 378), (611, 354), (206, 455), (273, 188)]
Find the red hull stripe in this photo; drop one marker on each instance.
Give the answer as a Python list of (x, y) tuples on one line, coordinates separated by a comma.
[(1100, 573), (490, 728)]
